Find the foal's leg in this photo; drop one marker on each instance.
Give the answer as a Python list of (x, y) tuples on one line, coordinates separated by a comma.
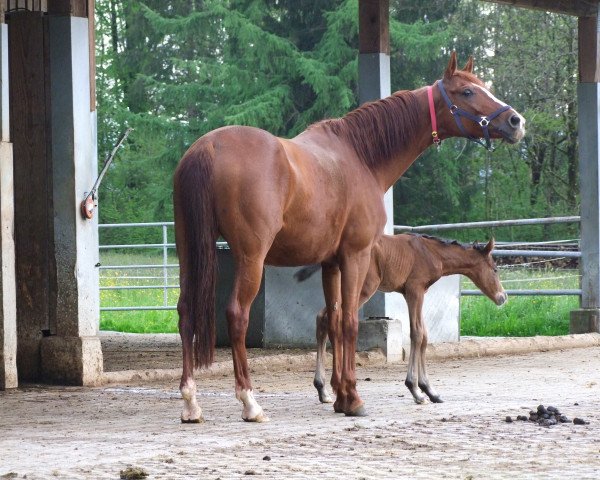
[(331, 289), (192, 413), (248, 276), (319, 381), (415, 305), (423, 380)]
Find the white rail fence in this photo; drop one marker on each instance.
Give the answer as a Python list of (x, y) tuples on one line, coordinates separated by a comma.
[(164, 275)]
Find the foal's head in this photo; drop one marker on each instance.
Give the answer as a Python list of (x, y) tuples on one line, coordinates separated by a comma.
[(484, 273), (471, 110)]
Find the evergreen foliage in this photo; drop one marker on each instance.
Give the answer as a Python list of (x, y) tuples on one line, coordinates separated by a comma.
[(177, 69)]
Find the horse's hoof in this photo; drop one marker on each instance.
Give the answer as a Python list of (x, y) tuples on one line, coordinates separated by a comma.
[(338, 407), (357, 412), (260, 418), (192, 420), (421, 400), (436, 399)]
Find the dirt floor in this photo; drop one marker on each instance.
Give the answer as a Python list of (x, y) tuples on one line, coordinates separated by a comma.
[(90, 433)]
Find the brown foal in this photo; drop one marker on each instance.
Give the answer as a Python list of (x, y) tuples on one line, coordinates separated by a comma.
[(316, 198), (409, 264)]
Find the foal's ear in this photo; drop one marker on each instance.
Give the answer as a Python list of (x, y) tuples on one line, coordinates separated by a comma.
[(451, 68), (469, 65), (489, 247)]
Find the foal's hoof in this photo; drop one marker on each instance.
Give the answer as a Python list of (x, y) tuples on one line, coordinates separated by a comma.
[(435, 399), (324, 397), (192, 420), (360, 411), (260, 418)]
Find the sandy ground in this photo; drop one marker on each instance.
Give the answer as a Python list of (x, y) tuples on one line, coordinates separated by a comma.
[(89, 433)]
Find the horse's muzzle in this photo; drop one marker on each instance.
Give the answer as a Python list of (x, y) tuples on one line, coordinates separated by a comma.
[(501, 298), (513, 128)]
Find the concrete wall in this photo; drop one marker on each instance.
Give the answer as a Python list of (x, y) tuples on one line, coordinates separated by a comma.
[(284, 312)]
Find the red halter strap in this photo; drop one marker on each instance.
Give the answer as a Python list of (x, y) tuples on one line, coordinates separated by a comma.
[(434, 133)]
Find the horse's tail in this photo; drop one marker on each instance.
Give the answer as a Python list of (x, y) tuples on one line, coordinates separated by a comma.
[(306, 272), (196, 232)]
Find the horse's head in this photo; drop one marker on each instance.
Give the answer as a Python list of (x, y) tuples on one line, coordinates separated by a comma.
[(484, 273), (472, 111)]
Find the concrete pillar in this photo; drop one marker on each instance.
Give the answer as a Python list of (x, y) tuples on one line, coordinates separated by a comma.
[(8, 309), (374, 83), (54, 124), (72, 354), (586, 319)]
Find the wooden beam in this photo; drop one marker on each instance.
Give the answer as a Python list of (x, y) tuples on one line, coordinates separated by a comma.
[(373, 26), (589, 50), (75, 8), (579, 8)]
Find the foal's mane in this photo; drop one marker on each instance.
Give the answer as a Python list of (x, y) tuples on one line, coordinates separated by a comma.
[(465, 246), (378, 130)]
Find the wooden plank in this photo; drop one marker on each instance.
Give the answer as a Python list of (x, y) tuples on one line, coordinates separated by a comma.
[(374, 31), (28, 132), (579, 8), (589, 50), (75, 8)]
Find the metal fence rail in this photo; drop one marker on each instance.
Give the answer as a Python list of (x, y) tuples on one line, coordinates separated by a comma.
[(500, 251)]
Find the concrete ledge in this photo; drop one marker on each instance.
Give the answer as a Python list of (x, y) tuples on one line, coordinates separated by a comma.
[(468, 347)]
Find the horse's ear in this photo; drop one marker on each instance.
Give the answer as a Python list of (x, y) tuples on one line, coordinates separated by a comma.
[(469, 65), (475, 244), (490, 246), (451, 68)]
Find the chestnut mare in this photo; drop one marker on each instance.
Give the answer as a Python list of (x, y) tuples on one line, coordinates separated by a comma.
[(409, 264), (317, 198)]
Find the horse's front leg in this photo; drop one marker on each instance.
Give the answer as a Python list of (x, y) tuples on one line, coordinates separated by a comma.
[(424, 384), (333, 304), (248, 276), (414, 301), (319, 381), (354, 270)]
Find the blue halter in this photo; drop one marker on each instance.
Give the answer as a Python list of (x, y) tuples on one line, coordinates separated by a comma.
[(483, 121)]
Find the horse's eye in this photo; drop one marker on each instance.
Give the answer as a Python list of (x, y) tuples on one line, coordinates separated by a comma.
[(467, 92)]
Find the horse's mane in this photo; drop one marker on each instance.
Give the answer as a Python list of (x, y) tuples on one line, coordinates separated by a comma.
[(377, 130), (477, 246)]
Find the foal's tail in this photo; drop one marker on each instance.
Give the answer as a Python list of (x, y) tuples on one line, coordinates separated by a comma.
[(306, 272), (196, 232)]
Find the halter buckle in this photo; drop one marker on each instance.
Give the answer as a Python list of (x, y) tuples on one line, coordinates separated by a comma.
[(453, 109), (484, 122)]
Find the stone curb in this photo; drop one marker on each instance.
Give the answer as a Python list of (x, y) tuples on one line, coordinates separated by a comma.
[(468, 347)]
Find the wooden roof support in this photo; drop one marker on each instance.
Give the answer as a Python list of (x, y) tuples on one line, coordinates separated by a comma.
[(75, 8), (589, 50), (374, 29), (579, 8)]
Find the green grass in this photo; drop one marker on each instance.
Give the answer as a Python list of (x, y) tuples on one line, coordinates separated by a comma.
[(148, 321), (520, 316)]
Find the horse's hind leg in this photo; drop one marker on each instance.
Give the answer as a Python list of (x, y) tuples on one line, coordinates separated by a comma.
[(319, 381), (192, 413), (415, 305), (248, 276), (423, 379)]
